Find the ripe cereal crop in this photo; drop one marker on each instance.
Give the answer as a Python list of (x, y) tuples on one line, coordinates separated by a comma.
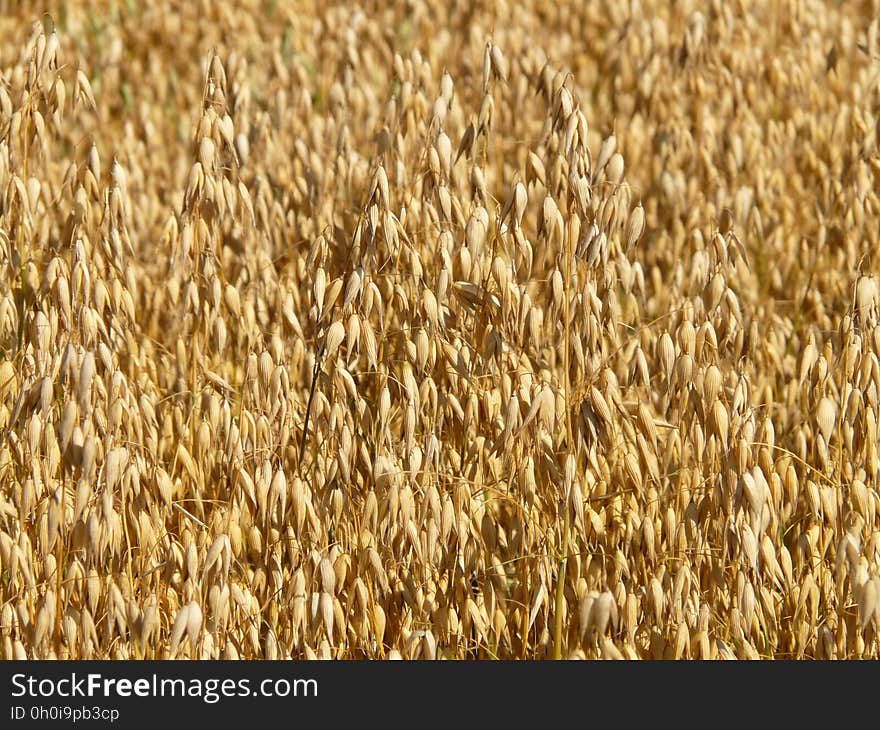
[(440, 330)]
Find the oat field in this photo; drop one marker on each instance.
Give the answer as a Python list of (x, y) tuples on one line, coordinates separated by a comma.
[(440, 329)]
